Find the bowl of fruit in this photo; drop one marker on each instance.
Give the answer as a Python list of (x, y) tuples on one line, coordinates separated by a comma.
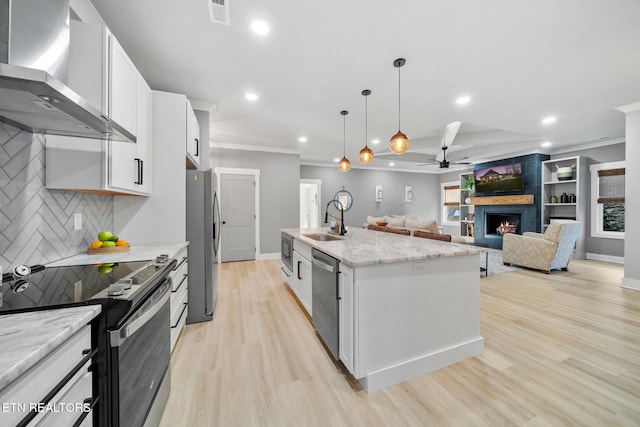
[(108, 243)]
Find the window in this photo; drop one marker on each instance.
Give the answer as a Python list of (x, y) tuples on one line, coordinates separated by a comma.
[(450, 196), (607, 200)]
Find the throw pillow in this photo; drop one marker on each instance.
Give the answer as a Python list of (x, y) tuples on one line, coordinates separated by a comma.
[(395, 222), (429, 225)]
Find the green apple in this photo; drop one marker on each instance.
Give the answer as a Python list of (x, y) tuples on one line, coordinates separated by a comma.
[(104, 235), (108, 244), (113, 238), (105, 269)]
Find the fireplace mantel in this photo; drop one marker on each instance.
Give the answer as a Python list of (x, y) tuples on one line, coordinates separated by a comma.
[(522, 199)]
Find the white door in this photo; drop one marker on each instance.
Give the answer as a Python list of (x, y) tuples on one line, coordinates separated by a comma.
[(238, 216), (310, 203)]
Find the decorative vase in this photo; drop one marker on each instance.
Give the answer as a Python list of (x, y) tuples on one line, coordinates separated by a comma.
[(565, 173)]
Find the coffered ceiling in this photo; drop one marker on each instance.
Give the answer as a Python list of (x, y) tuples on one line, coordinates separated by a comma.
[(519, 61)]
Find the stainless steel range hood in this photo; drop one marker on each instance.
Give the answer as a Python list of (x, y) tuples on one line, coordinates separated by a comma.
[(34, 49)]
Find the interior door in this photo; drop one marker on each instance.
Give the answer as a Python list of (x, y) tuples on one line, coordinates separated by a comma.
[(238, 215)]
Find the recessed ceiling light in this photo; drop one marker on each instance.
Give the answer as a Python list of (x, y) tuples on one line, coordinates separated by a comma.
[(549, 120), (463, 100), (336, 160), (251, 96), (546, 144), (375, 141), (392, 164), (260, 28), (303, 139)]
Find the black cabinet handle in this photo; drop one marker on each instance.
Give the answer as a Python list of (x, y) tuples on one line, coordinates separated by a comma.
[(197, 147), (138, 169), (299, 262), (141, 179)]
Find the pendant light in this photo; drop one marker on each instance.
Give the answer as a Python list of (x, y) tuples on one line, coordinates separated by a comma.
[(399, 143), (344, 165), (366, 155)]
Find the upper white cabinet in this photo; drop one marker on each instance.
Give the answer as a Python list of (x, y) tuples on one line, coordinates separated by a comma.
[(101, 72), (193, 139)]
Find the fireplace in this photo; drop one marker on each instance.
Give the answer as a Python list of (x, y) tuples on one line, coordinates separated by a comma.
[(499, 224)]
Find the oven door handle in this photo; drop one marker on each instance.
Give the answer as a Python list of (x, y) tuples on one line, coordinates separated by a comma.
[(120, 336)]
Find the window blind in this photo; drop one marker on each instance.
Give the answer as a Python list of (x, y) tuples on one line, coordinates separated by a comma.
[(611, 185), (452, 195)]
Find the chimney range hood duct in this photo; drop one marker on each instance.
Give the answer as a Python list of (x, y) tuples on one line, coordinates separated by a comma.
[(34, 56)]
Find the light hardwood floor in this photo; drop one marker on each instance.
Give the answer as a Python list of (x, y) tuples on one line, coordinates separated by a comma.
[(560, 349)]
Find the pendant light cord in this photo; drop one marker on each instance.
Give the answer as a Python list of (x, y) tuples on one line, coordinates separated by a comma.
[(399, 97), (344, 135), (366, 122)]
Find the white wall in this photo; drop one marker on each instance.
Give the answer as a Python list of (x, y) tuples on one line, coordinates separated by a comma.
[(632, 199)]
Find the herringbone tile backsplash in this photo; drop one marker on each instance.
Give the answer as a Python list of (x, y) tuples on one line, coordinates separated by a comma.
[(36, 224)]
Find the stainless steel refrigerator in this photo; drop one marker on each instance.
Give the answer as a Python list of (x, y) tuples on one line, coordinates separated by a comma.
[(203, 234)]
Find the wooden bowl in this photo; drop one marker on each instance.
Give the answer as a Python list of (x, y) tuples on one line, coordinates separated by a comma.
[(382, 223), (114, 250)]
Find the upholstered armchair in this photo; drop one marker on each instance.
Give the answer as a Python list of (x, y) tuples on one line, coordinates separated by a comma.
[(549, 251)]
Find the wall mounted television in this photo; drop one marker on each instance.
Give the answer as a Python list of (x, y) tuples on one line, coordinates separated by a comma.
[(499, 179)]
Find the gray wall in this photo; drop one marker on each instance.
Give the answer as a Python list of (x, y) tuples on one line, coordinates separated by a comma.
[(632, 199), (36, 224), (279, 189), (609, 153), (361, 184)]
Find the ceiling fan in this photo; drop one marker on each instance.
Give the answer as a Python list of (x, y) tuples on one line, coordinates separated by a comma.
[(450, 132)]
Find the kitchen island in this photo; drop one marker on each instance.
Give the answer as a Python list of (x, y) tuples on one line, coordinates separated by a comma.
[(407, 305)]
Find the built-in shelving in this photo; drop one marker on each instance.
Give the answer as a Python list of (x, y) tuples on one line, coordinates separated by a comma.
[(555, 210), (467, 210)]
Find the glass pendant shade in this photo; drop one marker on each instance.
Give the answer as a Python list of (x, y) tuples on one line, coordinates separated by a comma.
[(366, 156), (399, 143), (344, 165)]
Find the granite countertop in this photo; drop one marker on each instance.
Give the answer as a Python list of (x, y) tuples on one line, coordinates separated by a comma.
[(26, 338), (366, 247), (138, 252)]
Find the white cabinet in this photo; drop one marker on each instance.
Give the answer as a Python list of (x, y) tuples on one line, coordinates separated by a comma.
[(565, 197), (192, 139), (179, 296), (301, 278), (48, 376), (345, 316), (101, 72)]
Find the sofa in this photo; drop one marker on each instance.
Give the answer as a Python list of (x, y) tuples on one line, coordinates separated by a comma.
[(408, 225)]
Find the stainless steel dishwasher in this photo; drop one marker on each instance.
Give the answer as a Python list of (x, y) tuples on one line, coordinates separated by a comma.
[(324, 290)]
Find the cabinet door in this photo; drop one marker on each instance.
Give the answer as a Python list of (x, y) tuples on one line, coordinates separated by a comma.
[(122, 87), (122, 165), (304, 283), (345, 307), (294, 282), (144, 128), (193, 137)]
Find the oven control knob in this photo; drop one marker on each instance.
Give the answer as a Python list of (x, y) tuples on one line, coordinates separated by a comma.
[(21, 271), (162, 259), (126, 283)]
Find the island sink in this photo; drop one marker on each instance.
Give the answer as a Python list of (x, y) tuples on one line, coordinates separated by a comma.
[(322, 237)]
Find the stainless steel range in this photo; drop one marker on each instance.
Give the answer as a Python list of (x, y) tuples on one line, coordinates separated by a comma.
[(132, 334)]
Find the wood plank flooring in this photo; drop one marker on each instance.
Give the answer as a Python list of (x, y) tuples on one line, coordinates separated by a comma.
[(560, 349)]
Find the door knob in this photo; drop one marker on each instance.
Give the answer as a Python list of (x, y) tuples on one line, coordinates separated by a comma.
[(224, 222)]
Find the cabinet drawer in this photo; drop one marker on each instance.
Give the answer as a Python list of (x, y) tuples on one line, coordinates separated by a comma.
[(69, 402), (177, 300), (179, 318), (41, 379), (302, 249)]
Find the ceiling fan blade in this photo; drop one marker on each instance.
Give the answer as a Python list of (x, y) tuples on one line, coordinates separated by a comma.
[(450, 132)]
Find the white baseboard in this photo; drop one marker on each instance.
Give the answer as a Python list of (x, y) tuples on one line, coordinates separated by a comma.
[(630, 283), (272, 255), (392, 375), (606, 258)]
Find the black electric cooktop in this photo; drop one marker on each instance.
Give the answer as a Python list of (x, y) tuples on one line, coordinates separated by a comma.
[(47, 287)]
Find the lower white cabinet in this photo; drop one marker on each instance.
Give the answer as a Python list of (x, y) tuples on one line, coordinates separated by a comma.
[(49, 375), (345, 316), (301, 279), (179, 296)]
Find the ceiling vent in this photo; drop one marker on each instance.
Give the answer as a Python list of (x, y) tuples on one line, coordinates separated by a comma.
[(219, 11)]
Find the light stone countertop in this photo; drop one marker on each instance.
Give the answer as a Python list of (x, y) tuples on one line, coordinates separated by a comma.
[(26, 338), (361, 247), (138, 252)]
